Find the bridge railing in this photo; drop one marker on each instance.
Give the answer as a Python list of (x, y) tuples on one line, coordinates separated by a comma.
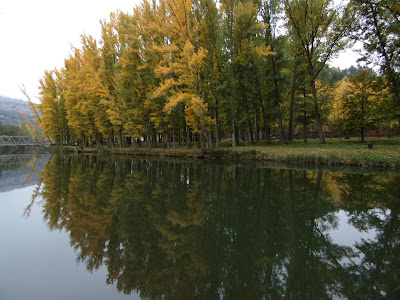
[(21, 141)]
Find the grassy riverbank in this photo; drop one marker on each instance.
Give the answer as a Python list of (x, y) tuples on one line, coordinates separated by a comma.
[(385, 152)]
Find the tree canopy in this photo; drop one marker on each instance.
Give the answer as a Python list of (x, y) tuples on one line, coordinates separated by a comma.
[(178, 72)]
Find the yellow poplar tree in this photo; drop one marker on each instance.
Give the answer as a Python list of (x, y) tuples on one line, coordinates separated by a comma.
[(73, 96), (179, 69), (107, 69), (53, 120)]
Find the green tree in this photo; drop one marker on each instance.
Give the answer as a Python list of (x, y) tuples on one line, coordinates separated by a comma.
[(321, 28), (210, 39), (360, 103), (379, 31)]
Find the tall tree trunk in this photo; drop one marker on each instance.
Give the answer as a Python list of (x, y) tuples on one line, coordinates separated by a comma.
[(167, 138), (186, 137), (317, 113), (234, 137), (216, 126), (155, 137), (291, 108), (256, 132), (305, 116), (282, 138), (173, 130), (362, 119), (215, 106), (362, 134), (265, 118), (233, 131)]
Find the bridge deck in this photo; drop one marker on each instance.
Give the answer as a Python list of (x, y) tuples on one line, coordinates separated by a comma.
[(22, 141)]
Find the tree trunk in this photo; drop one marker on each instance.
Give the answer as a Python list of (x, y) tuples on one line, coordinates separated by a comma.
[(186, 137), (233, 132), (305, 117), (282, 138), (291, 108), (362, 134), (173, 130), (167, 139), (317, 114), (265, 120), (256, 133), (215, 107), (216, 126)]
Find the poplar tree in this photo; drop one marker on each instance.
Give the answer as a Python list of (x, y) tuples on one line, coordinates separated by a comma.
[(52, 108), (179, 69)]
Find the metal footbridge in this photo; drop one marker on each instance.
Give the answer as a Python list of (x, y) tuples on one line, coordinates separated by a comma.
[(22, 141)]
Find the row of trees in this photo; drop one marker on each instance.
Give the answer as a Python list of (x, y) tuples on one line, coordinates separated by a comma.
[(178, 71)]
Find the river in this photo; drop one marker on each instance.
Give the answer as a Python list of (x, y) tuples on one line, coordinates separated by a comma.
[(98, 227)]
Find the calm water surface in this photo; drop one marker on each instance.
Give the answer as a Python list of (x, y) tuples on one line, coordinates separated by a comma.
[(87, 227)]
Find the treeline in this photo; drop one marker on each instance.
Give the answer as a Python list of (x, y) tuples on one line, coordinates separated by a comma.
[(177, 71), (14, 130)]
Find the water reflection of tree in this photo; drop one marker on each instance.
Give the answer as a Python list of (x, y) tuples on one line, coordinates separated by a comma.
[(373, 203), (190, 230)]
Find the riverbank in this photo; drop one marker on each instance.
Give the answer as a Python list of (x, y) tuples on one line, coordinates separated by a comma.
[(385, 152)]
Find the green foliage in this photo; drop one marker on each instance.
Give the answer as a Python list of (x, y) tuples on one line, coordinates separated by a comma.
[(378, 28), (361, 103), (14, 130)]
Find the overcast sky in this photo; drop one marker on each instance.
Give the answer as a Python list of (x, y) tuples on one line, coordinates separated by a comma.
[(36, 35)]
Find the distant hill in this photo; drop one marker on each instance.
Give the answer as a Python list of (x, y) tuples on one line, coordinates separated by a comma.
[(9, 109)]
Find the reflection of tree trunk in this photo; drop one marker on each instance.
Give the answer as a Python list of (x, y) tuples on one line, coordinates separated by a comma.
[(318, 186)]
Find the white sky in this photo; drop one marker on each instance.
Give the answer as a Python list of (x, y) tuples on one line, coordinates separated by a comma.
[(36, 35)]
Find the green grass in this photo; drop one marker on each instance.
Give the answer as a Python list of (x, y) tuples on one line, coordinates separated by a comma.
[(385, 152)]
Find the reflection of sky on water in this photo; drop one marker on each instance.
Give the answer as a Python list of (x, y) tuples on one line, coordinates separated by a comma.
[(346, 234)]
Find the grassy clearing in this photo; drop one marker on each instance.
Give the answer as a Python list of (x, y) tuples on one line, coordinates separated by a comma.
[(385, 152)]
